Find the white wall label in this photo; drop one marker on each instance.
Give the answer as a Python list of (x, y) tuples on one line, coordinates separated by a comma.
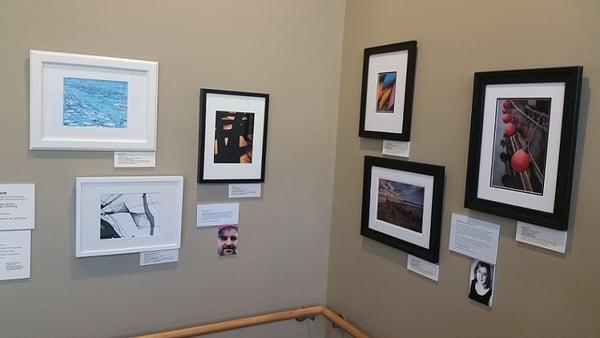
[(244, 190), (138, 159), (17, 206), (15, 254), (210, 215), (474, 238), (423, 267), (396, 148), (159, 257), (542, 237)]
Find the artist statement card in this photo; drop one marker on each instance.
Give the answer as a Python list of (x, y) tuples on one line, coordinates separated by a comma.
[(15, 252), (17, 206)]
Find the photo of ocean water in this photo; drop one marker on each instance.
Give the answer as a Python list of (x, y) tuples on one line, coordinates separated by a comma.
[(94, 103)]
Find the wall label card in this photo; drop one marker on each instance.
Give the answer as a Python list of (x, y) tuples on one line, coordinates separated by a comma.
[(135, 159), (17, 206), (159, 257), (423, 267), (244, 190), (542, 237), (210, 215), (15, 254), (396, 148), (474, 238)]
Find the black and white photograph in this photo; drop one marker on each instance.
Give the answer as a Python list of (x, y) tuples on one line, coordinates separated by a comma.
[(233, 136), (402, 205), (481, 282), (129, 215)]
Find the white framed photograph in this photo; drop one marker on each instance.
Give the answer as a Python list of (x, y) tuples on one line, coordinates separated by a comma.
[(96, 103), (387, 91), (402, 205), (117, 215), (233, 141), (522, 146)]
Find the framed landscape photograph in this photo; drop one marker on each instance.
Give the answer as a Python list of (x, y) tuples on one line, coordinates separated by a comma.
[(522, 144), (233, 137), (387, 91), (117, 215), (402, 205), (86, 102)]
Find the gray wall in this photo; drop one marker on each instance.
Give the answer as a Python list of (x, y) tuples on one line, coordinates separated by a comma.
[(289, 49), (538, 293)]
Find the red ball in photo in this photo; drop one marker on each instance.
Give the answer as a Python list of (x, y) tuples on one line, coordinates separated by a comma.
[(510, 129), (506, 105), (520, 161), (506, 118)]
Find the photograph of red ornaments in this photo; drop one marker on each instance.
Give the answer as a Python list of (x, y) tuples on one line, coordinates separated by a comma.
[(520, 144)]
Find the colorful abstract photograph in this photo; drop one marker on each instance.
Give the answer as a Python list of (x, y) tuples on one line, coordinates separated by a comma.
[(94, 103), (520, 144), (233, 137), (401, 204), (386, 92)]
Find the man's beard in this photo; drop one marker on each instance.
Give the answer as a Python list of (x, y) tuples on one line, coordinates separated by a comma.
[(228, 250)]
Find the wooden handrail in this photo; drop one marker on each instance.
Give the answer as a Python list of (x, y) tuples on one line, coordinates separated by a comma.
[(259, 320)]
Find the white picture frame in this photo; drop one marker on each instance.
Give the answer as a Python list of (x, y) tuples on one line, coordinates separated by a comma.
[(93, 103), (118, 215)]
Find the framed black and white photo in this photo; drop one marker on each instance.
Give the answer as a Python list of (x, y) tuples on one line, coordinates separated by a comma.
[(402, 205), (87, 102), (233, 138), (116, 215), (522, 144), (387, 91)]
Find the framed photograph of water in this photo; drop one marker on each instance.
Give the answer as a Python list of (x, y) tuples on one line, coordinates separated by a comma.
[(233, 141), (86, 102), (116, 215), (402, 205)]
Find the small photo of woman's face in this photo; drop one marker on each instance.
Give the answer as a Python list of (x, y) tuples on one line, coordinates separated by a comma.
[(481, 274)]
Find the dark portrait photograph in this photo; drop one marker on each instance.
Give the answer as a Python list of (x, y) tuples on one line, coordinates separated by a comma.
[(481, 285), (233, 137), (520, 144)]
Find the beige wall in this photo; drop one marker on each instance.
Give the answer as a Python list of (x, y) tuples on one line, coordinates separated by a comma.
[(289, 49), (538, 293)]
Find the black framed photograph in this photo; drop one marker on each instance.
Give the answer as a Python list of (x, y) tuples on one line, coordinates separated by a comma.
[(402, 205), (387, 91), (522, 144), (233, 136)]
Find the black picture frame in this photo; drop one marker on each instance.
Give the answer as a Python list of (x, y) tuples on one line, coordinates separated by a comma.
[(224, 113), (525, 170), (391, 66), (392, 217)]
